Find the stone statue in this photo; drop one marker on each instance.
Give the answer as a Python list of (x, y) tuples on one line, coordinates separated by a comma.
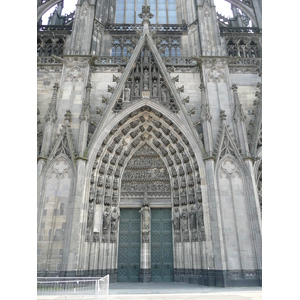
[(136, 89), (200, 216), (146, 79), (106, 219), (154, 89), (184, 220), (145, 211), (192, 217), (114, 219), (90, 216), (164, 94), (127, 93), (176, 219)]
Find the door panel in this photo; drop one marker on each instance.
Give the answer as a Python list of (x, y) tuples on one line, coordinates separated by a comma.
[(161, 245), (129, 245)]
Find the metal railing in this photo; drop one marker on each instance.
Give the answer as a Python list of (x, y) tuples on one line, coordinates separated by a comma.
[(72, 288)]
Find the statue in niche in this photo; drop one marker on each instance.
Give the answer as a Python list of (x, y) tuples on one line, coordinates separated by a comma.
[(146, 79), (145, 211), (176, 225), (184, 220), (191, 196), (127, 93), (176, 219), (200, 212), (192, 217), (136, 88), (114, 220), (90, 216), (106, 219), (115, 198), (164, 94), (154, 88)]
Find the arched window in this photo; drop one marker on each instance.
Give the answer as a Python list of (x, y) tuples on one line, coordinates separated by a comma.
[(164, 11)]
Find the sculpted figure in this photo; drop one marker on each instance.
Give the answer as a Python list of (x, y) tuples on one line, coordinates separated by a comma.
[(184, 220), (136, 88), (114, 219), (200, 215), (106, 219), (164, 94), (176, 219), (154, 89), (145, 211), (90, 216), (127, 93), (192, 218), (146, 79)]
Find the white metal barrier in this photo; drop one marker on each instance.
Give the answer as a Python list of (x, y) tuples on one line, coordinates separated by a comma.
[(72, 288)]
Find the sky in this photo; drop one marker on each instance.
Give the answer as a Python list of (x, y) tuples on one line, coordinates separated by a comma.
[(223, 8)]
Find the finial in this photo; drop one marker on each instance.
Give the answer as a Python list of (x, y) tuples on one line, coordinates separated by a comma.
[(146, 15), (68, 117), (223, 115)]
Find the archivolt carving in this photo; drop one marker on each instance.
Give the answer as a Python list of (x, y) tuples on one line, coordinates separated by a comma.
[(144, 151)]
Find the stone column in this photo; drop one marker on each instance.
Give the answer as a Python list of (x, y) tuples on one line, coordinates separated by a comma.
[(145, 263), (215, 273), (76, 212), (85, 118), (239, 118), (50, 118)]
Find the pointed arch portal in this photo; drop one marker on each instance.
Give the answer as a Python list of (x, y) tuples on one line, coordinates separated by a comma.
[(145, 152)]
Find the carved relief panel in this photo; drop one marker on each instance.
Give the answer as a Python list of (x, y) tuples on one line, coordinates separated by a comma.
[(146, 172)]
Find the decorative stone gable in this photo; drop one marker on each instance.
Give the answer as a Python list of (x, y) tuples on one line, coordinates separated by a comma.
[(146, 81)]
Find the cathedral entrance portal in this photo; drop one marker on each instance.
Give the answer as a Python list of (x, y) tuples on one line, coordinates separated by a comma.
[(146, 187)]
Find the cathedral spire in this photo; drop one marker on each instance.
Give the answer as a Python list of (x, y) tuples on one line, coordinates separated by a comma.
[(85, 112), (51, 114), (239, 118), (238, 111), (50, 118)]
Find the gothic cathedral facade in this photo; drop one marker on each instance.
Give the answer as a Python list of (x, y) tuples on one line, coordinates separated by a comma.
[(149, 142)]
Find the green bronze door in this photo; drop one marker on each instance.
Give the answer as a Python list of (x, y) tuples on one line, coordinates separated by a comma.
[(161, 245), (129, 245)]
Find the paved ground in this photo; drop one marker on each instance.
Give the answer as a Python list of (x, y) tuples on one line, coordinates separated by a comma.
[(164, 291), (179, 291)]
